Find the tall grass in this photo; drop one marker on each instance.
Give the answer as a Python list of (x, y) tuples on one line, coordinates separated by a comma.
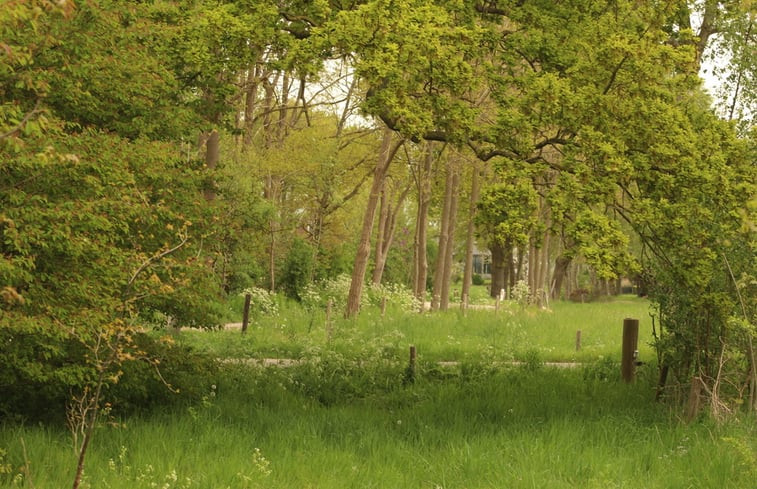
[(350, 416), (492, 428)]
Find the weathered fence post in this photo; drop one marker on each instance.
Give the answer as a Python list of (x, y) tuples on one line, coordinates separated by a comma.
[(578, 340), (246, 312), (630, 349), (410, 374)]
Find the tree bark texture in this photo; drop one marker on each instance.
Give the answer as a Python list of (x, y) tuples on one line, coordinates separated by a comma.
[(436, 295), (250, 103), (561, 270), (210, 142), (449, 250), (469, 239), (386, 154), (386, 227), (420, 259), (498, 268)]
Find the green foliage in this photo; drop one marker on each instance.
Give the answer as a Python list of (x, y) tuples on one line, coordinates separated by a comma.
[(506, 211), (91, 232), (297, 269), (261, 301), (174, 374), (396, 295), (317, 295), (521, 293)]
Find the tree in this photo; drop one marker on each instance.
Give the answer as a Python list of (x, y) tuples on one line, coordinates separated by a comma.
[(101, 221), (470, 236), (506, 218), (393, 196), (422, 177), (386, 155)]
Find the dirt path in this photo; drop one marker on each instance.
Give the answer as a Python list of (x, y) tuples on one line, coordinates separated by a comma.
[(291, 362)]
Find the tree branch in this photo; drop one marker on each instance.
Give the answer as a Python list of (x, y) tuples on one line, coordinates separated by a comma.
[(20, 125), (155, 258)]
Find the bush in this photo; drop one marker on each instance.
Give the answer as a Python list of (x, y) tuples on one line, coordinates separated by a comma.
[(297, 269), (261, 301), (316, 295), (175, 373), (396, 295)]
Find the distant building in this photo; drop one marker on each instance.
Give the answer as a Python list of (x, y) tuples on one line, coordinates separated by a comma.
[(482, 262)]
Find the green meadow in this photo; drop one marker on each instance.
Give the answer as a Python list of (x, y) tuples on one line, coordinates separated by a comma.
[(507, 333), (351, 414)]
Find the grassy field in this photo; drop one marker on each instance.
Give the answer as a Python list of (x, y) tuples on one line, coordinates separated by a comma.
[(511, 333), (350, 417)]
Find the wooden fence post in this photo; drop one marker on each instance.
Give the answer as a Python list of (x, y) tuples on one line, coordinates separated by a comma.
[(410, 374), (246, 312), (630, 349), (578, 340)]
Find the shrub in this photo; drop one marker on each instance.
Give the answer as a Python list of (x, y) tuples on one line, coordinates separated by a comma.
[(297, 269), (261, 301), (397, 295), (175, 373), (316, 295), (521, 293)]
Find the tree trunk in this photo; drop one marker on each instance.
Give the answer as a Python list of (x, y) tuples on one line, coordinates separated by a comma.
[(212, 155), (544, 277), (561, 269), (420, 260), (498, 268), (508, 267), (468, 270), (268, 133), (386, 154), (387, 226), (533, 263), (516, 271), (251, 99), (450, 248), (444, 238), (378, 256), (282, 127), (537, 272)]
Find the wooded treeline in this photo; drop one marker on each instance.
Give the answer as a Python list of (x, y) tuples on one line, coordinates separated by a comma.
[(158, 155)]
